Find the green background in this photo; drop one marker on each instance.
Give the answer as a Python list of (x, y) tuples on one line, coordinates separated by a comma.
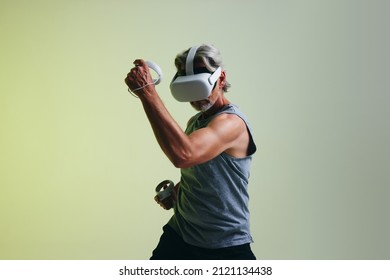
[(79, 162)]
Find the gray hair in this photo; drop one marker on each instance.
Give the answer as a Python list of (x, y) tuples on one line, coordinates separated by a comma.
[(208, 54)]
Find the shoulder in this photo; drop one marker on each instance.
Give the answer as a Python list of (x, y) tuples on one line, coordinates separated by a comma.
[(230, 113), (232, 122)]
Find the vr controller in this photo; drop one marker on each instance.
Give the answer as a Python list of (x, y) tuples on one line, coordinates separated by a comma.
[(164, 189), (156, 69)]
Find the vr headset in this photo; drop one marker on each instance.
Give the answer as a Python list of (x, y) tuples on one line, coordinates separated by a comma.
[(193, 87)]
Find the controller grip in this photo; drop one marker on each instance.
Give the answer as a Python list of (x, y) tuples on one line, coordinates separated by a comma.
[(164, 189), (156, 69)]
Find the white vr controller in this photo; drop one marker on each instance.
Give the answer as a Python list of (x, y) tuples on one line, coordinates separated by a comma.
[(156, 69)]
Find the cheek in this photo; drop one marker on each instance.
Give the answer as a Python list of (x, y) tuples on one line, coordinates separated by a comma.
[(214, 95)]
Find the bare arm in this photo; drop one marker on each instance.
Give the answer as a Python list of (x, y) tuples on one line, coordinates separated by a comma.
[(224, 133)]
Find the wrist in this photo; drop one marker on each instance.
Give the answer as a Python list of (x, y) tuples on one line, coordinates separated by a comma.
[(148, 93)]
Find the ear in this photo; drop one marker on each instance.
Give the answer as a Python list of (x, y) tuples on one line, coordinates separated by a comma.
[(222, 79)]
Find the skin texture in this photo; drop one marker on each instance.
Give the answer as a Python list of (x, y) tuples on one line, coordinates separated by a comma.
[(225, 133)]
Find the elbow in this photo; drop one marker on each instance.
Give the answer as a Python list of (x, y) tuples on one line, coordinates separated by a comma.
[(182, 160), (177, 164), (181, 164)]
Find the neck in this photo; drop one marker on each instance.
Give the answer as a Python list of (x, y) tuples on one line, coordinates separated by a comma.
[(218, 105)]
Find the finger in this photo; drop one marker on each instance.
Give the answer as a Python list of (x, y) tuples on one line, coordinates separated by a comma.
[(128, 80), (166, 207), (139, 62)]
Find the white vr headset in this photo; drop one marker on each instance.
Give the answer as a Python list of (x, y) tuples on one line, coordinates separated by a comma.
[(193, 87)]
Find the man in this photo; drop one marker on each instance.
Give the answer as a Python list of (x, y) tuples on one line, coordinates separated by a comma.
[(211, 216)]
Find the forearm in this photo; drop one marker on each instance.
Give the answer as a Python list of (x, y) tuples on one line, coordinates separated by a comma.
[(171, 138)]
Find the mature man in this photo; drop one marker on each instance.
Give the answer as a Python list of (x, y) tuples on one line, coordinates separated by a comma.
[(214, 153)]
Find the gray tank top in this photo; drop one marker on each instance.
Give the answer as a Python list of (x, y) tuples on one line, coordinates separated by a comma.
[(212, 206)]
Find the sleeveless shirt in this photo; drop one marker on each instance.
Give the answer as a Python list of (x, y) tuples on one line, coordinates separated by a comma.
[(212, 202)]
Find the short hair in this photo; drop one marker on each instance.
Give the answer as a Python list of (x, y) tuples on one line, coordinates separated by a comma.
[(208, 54)]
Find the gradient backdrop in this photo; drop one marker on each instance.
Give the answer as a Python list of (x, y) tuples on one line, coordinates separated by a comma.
[(79, 162)]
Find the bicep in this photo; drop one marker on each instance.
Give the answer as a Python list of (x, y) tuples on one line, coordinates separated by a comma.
[(220, 135)]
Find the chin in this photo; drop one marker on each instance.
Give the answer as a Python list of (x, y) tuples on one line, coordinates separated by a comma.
[(201, 106)]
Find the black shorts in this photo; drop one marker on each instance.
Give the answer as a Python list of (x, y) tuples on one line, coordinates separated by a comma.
[(173, 247)]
